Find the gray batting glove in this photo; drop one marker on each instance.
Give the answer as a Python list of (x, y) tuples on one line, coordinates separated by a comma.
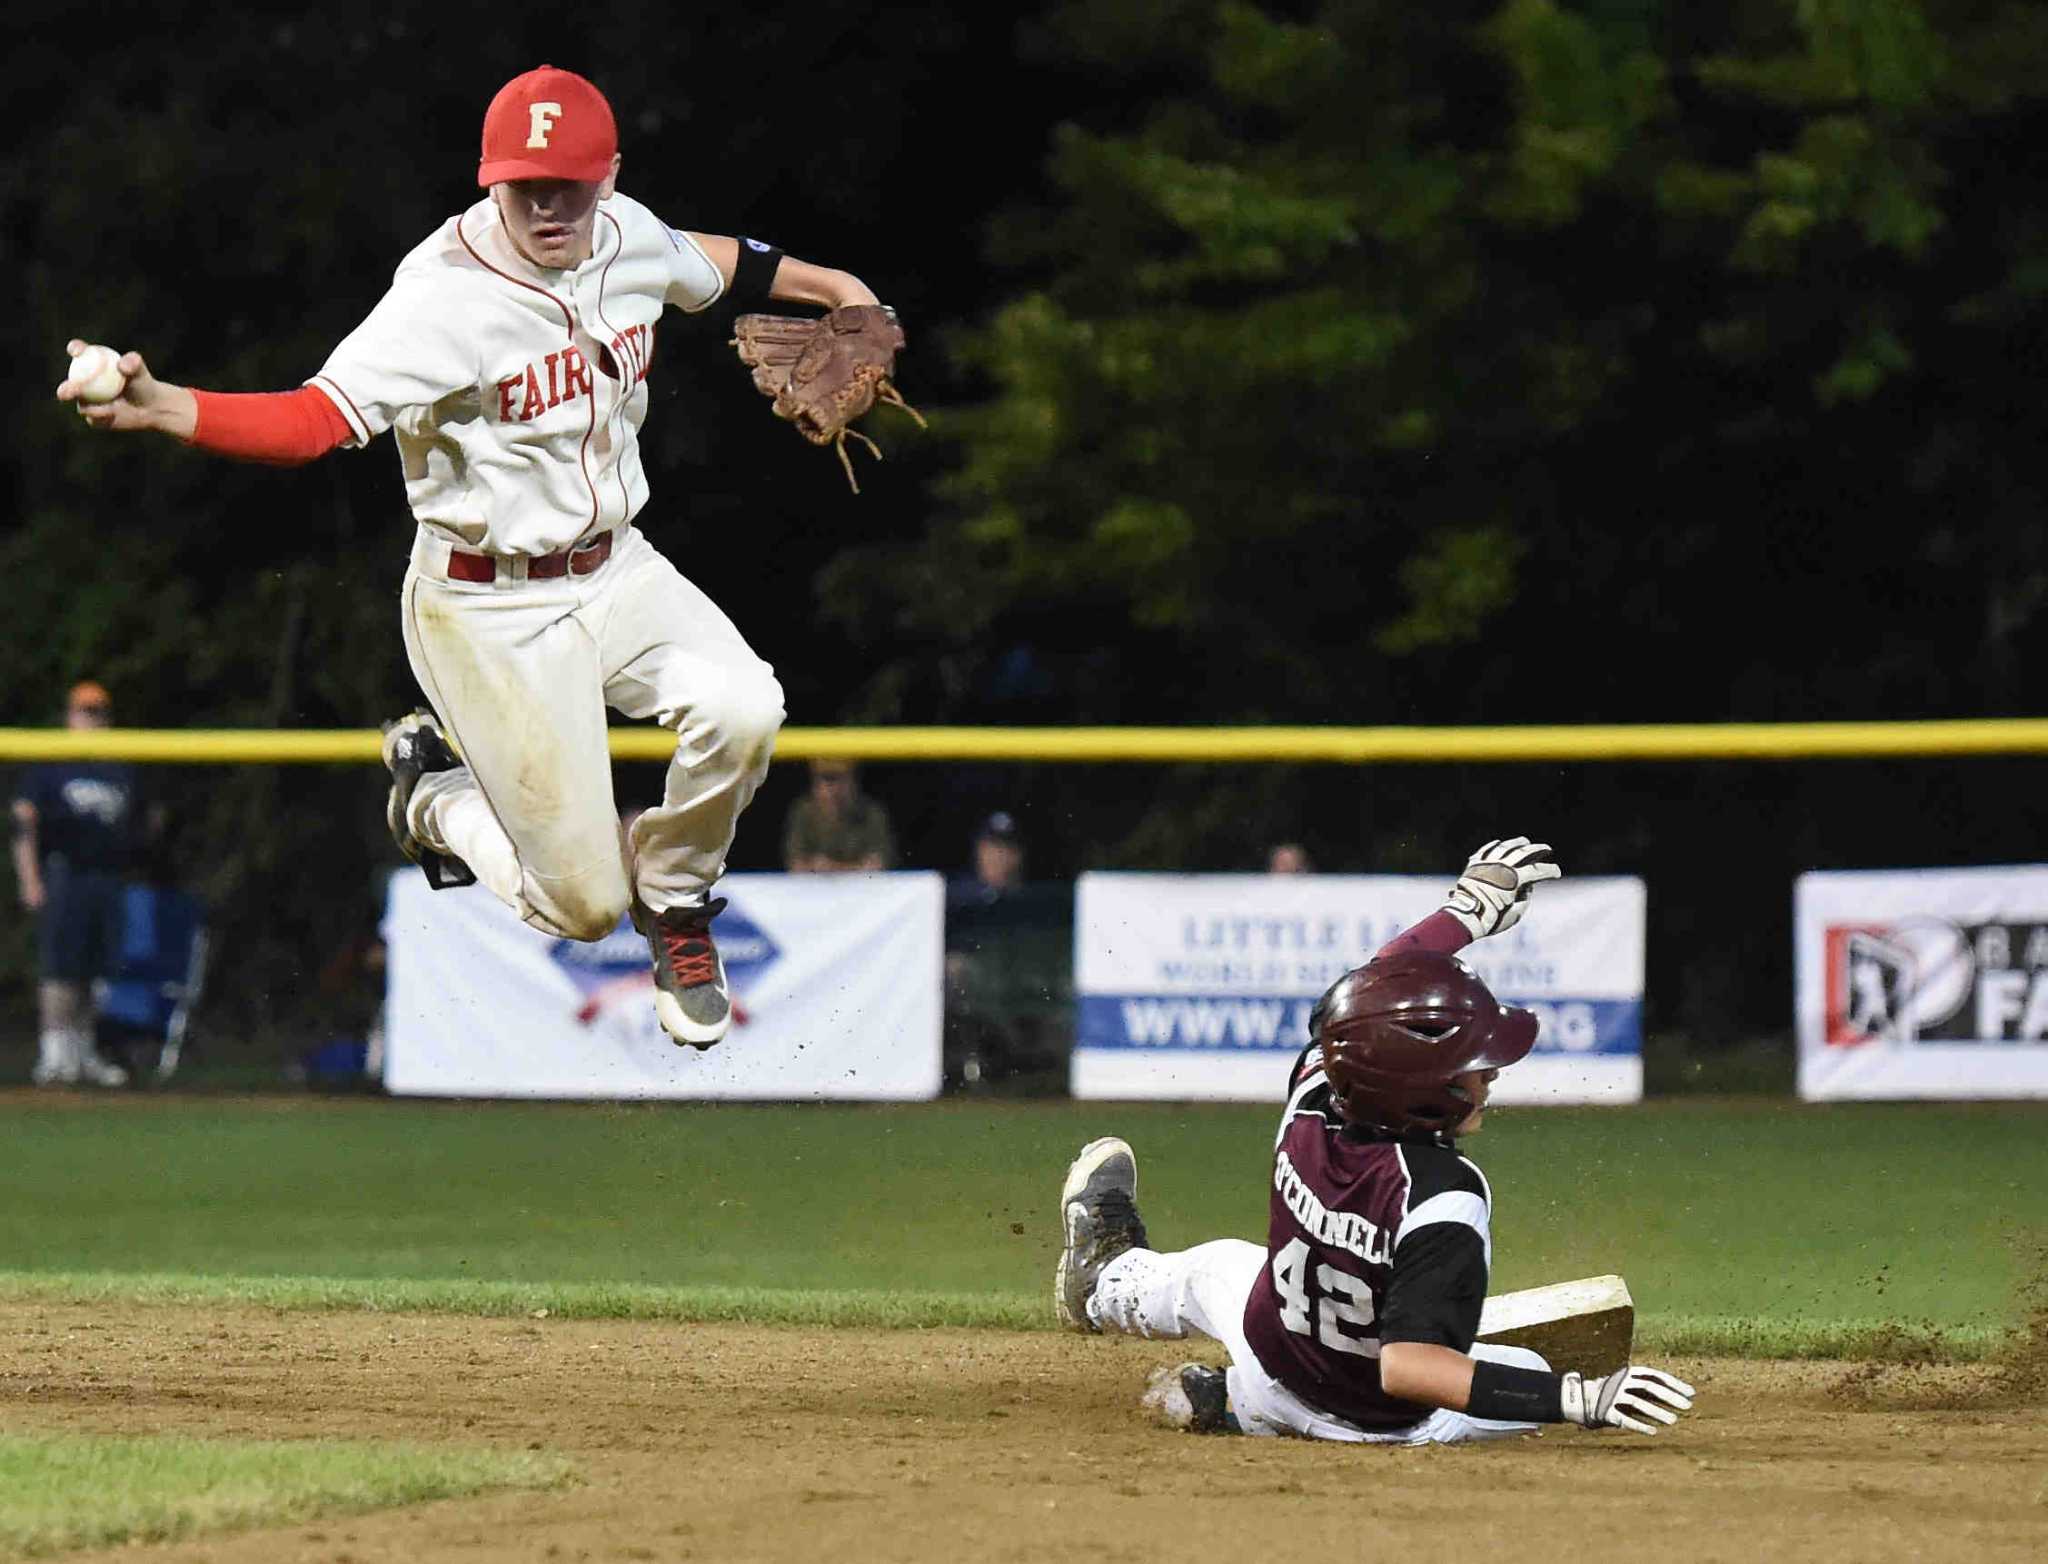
[(1493, 892), (1624, 1398)]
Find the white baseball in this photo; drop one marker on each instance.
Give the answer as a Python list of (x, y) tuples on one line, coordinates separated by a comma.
[(96, 374)]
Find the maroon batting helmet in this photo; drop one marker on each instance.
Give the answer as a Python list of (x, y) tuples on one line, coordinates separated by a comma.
[(1397, 1031)]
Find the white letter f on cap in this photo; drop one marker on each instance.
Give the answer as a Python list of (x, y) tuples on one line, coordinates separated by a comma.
[(542, 117)]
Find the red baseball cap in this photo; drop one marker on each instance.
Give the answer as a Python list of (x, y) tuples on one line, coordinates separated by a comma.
[(548, 124)]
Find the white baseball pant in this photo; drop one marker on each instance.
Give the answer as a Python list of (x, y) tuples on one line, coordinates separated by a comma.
[(1204, 1289), (520, 673)]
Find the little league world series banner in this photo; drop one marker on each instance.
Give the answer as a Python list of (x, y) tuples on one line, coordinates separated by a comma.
[(1924, 983), (835, 982), (1199, 986)]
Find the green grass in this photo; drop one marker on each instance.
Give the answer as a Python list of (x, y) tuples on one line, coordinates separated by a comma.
[(1742, 1218), (548, 1300), (63, 1492), (1885, 1341)]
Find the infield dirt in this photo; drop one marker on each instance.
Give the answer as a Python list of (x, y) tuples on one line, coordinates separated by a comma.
[(735, 1444)]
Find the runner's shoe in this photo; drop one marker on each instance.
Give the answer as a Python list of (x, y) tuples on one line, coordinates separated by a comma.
[(1099, 1214), (413, 747), (690, 995), (1190, 1396)]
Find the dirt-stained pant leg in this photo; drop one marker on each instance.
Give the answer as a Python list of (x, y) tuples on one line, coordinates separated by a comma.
[(1146, 1292), (670, 655), (514, 675)]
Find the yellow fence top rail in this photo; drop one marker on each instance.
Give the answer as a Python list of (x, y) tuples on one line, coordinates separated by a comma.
[(1330, 745)]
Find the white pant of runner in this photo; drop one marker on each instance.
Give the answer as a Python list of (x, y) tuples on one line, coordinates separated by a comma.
[(520, 673), (1204, 1289)]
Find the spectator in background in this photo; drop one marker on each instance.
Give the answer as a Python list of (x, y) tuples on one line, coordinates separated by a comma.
[(997, 1007), (1289, 858), (78, 833), (835, 826), (998, 864)]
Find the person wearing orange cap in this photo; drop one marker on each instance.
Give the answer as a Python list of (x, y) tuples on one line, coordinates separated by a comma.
[(511, 359), (77, 833)]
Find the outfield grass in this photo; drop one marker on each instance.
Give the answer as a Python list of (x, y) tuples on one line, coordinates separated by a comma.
[(1742, 1216), (824, 1309), (63, 1492)]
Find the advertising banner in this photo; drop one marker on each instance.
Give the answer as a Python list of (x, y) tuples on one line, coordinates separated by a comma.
[(1199, 986), (1922, 983), (835, 981)]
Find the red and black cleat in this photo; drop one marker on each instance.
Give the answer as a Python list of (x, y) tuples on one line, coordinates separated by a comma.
[(690, 995)]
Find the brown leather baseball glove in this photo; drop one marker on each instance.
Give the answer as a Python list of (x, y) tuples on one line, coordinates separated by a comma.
[(824, 372)]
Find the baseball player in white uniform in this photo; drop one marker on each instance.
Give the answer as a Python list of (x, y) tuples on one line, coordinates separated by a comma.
[(510, 359)]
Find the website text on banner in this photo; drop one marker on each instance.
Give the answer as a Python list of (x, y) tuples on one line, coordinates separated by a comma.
[(1199, 986), (1928, 983), (835, 979)]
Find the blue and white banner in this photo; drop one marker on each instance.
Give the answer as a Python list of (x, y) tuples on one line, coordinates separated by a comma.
[(835, 979), (1200, 986), (1922, 983)]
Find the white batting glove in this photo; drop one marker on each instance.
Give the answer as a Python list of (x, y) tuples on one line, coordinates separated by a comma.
[(1624, 1398), (1493, 892)]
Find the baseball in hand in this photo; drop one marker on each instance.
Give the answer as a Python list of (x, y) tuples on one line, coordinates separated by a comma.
[(96, 374)]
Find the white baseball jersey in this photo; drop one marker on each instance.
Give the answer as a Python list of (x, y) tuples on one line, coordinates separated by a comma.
[(516, 392)]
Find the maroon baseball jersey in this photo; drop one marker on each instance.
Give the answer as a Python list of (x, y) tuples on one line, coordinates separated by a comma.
[(1369, 1241)]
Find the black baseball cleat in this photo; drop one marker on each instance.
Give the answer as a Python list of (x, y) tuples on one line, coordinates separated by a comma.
[(690, 995), (1191, 1396), (413, 747), (1099, 1215)]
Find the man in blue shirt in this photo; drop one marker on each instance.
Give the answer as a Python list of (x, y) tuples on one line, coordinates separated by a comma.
[(77, 832)]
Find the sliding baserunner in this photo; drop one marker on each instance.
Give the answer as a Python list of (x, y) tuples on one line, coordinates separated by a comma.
[(1357, 1319)]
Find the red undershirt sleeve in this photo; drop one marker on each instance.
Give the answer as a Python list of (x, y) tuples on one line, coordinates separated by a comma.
[(1439, 932), (282, 428)]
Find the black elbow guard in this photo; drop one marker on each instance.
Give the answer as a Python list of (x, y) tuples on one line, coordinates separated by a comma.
[(753, 274)]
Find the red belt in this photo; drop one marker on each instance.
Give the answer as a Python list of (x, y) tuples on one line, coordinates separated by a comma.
[(578, 559)]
